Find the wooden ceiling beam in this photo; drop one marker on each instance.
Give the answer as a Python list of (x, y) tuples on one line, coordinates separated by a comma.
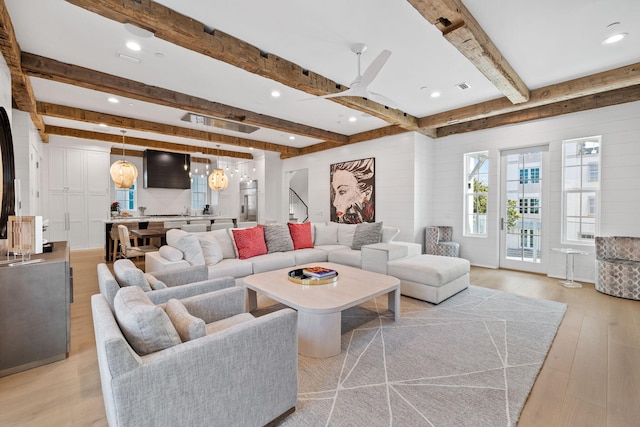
[(589, 102), (51, 69), (21, 89), (462, 30), (71, 113), (596, 83), (188, 33), (141, 142)]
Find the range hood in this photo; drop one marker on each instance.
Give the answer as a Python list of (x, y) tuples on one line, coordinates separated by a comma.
[(219, 123)]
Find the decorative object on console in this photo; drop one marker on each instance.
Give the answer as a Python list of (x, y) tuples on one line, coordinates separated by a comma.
[(123, 173), (437, 241), (352, 188), (25, 235)]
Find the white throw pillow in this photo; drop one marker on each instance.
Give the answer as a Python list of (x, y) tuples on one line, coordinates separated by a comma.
[(345, 234), (188, 243), (146, 326), (211, 249), (170, 253), (226, 243), (326, 234)]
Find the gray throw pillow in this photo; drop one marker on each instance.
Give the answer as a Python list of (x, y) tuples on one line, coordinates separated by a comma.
[(367, 233), (127, 274), (146, 326), (153, 282), (278, 238), (189, 327)]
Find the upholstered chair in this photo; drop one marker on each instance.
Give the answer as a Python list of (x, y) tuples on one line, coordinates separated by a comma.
[(128, 251), (160, 285), (437, 241), (194, 228), (618, 266), (198, 361)]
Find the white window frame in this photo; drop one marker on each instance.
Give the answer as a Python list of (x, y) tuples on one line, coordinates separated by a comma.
[(199, 179), (470, 174), (125, 195), (584, 189)]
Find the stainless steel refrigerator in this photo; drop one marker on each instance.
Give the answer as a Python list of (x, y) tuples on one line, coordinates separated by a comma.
[(248, 201)]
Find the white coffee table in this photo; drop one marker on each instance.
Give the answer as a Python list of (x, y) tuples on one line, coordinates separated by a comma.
[(320, 306)]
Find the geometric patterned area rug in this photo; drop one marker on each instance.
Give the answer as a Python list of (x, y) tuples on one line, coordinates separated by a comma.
[(469, 361)]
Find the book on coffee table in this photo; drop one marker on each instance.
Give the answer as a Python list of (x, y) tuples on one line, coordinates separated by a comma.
[(319, 272)]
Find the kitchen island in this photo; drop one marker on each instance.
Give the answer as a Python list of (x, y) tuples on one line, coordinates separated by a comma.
[(143, 222)]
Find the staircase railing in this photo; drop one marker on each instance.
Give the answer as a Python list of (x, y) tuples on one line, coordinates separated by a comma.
[(297, 207)]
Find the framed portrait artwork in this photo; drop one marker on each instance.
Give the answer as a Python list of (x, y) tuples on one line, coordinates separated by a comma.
[(352, 189)]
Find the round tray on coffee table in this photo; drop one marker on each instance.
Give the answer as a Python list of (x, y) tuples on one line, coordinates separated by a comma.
[(299, 277)]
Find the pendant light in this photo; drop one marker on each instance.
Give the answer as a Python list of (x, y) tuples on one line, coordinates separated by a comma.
[(218, 179), (123, 173)]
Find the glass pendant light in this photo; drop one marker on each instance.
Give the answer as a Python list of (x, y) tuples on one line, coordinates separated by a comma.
[(123, 173), (218, 179)]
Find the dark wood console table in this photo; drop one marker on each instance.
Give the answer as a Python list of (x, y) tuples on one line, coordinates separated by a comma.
[(34, 311)]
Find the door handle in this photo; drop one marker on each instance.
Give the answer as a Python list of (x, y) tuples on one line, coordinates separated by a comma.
[(501, 224)]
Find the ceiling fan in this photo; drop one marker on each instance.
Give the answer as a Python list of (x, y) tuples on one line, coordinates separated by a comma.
[(360, 85)]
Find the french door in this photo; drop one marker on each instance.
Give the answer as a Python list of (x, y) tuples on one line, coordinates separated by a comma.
[(523, 210)]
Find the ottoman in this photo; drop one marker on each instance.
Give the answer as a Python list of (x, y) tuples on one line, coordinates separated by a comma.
[(431, 278)]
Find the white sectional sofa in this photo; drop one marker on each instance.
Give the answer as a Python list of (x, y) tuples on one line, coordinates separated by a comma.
[(218, 250)]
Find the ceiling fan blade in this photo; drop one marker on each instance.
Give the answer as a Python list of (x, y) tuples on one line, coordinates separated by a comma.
[(348, 92), (381, 99), (374, 68)]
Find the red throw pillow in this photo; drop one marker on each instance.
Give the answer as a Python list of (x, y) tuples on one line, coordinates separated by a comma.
[(301, 235), (250, 242)]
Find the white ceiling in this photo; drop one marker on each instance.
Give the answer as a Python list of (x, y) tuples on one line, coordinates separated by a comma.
[(545, 41)]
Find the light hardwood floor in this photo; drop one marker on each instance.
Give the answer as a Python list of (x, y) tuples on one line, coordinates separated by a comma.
[(591, 376)]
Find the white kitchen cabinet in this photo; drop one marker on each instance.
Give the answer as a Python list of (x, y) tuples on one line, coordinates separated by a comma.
[(78, 196), (67, 169)]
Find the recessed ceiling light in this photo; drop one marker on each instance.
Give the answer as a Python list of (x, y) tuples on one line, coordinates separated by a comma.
[(102, 125), (133, 46), (614, 38), (352, 119), (113, 100), (275, 94), (435, 94), (292, 137)]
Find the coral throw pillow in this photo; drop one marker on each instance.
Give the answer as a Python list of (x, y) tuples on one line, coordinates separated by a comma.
[(301, 235), (250, 242)]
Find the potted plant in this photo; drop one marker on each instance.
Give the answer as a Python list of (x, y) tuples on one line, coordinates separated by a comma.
[(115, 208)]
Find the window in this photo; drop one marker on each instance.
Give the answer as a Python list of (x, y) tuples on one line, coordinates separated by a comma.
[(476, 193), (530, 176), (126, 197), (199, 186), (529, 206), (581, 188)]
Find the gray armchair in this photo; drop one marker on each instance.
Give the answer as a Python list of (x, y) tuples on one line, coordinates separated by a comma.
[(241, 373), (179, 283), (437, 241), (618, 266)]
